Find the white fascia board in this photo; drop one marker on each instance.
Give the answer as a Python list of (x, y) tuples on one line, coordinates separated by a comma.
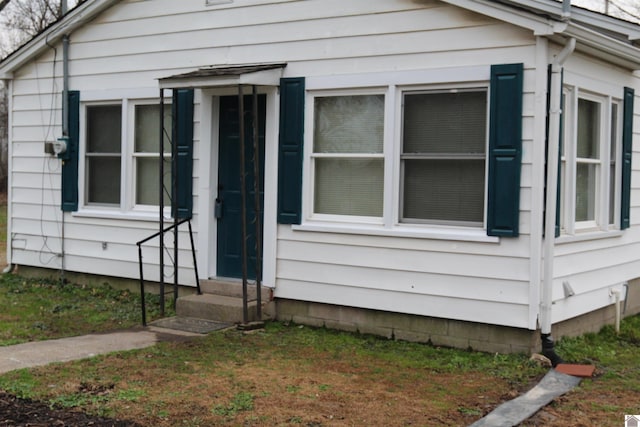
[(587, 17), (604, 47), (71, 21), (522, 18)]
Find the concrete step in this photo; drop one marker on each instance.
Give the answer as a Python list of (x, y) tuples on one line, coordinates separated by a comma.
[(233, 288), (219, 308)]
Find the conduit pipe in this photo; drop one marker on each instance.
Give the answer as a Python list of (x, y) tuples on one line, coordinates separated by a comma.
[(65, 129), (551, 205)]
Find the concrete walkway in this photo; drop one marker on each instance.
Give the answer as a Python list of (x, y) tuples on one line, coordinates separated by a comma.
[(40, 353), (515, 411)]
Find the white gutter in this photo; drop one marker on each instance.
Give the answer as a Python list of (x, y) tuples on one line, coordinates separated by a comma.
[(552, 184)]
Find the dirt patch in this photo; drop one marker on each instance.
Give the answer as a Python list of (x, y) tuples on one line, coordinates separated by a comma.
[(22, 412)]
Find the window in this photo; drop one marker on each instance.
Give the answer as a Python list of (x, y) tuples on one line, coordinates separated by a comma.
[(146, 156), (347, 157), (399, 157), (103, 158), (590, 168), (442, 139), (443, 156), (123, 174)]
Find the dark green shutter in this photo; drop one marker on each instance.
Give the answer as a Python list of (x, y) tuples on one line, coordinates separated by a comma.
[(292, 93), (69, 184), (182, 116), (627, 148), (505, 150)]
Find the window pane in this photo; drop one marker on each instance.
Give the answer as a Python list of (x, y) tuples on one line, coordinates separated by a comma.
[(103, 180), (445, 122), (104, 124), (585, 191), (147, 178), (147, 125), (349, 186), (444, 190), (612, 163), (588, 129), (349, 124)]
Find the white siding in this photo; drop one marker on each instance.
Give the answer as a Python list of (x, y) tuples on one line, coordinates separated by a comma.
[(134, 43), (593, 267)]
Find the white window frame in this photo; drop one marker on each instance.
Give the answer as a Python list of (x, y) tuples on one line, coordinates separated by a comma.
[(391, 85), (127, 208), (569, 161), (133, 155), (82, 170), (310, 156)]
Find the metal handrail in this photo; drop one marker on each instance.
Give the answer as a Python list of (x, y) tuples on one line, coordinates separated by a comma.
[(140, 263)]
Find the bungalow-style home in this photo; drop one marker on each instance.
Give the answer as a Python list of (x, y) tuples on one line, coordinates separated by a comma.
[(459, 172)]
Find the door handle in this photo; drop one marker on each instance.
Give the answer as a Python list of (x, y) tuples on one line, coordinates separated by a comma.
[(217, 210)]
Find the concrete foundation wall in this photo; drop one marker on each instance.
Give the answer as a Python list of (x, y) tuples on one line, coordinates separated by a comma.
[(594, 321), (438, 332), (450, 333)]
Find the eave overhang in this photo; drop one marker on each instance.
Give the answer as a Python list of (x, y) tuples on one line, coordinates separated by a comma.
[(225, 76), (601, 36)]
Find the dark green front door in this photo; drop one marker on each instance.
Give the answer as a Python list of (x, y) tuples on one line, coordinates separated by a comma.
[(228, 202)]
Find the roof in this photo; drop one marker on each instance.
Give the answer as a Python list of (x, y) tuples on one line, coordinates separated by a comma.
[(603, 36), (216, 76)]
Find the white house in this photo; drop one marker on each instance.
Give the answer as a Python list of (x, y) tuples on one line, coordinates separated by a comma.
[(404, 156)]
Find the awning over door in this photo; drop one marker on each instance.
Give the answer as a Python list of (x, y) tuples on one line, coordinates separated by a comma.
[(228, 75)]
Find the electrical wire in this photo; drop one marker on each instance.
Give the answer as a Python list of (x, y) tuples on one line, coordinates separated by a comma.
[(45, 249)]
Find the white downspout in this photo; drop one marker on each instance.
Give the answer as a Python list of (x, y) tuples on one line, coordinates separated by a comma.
[(552, 183)]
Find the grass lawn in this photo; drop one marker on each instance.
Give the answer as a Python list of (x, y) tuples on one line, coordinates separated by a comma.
[(295, 375)]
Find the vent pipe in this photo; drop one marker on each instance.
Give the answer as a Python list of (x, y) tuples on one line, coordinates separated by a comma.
[(566, 10)]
